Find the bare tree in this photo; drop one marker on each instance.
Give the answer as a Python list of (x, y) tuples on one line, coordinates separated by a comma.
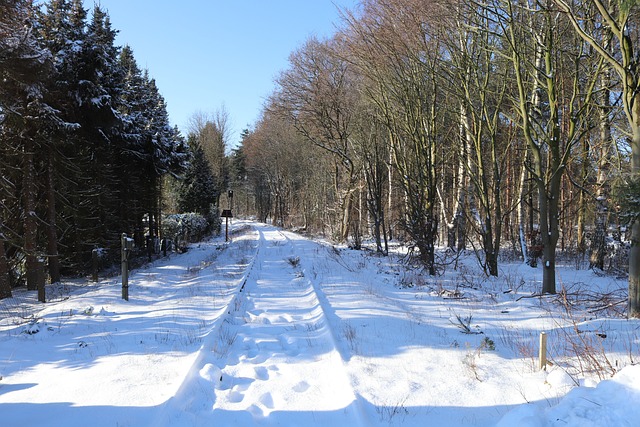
[(552, 123), (481, 85), (212, 132), (316, 93), (283, 170), (618, 18), (399, 56), (604, 155), (372, 148)]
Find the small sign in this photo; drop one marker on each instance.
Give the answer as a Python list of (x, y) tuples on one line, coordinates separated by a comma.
[(128, 243), (226, 213)]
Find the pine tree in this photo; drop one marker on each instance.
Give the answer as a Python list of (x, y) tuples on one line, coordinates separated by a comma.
[(197, 191), (26, 120), (60, 30)]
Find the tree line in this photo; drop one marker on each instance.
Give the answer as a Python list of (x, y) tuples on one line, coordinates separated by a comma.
[(495, 126), (85, 141)]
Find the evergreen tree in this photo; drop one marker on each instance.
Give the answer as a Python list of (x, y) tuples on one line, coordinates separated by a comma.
[(26, 118), (151, 142), (197, 191), (23, 67), (61, 30)]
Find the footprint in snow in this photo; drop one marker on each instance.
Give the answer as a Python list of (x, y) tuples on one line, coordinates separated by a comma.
[(301, 387), (267, 401), (211, 373), (236, 397), (262, 373), (255, 411)]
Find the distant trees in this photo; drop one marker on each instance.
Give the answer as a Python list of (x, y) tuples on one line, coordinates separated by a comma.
[(315, 96), (197, 190), (282, 172), (85, 140), (555, 86), (211, 133)]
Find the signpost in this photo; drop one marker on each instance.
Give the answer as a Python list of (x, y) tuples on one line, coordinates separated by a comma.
[(226, 213)]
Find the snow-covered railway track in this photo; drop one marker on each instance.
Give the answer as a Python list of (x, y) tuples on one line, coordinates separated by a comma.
[(263, 368)]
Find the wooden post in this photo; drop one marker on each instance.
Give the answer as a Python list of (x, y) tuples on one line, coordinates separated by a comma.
[(230, 200), (40, 279), (542, 355), (150, 247), (94, 264), (125, 267), (226, 213)]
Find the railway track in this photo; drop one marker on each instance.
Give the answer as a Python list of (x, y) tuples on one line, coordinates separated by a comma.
[(272, 358)]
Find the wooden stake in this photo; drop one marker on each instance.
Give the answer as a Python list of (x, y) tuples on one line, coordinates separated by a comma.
[(125, 267), (542, 356)]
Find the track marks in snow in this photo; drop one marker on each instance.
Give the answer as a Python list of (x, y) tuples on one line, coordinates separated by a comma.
[(283, 365), (197, 393)]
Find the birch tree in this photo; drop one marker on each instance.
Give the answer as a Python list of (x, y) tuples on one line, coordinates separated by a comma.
[(481, 85), (552, 121), (617, 16), (399, 56)]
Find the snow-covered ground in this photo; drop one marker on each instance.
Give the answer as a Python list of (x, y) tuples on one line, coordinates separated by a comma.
[(273, 329)]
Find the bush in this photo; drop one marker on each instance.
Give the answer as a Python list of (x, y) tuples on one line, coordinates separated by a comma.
[(214, 221), (185, 228)]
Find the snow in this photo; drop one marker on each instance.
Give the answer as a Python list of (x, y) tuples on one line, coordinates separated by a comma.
[(276, 329)]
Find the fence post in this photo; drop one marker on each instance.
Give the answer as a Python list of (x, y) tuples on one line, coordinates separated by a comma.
[(94, 264), (125, 266), (163, 246), (542, 355), (40, 279)]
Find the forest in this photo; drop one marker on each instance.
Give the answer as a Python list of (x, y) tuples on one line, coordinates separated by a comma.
[(506, 128), (87, 151)]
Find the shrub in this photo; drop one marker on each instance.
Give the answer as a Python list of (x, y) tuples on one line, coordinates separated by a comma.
[(185, 228)]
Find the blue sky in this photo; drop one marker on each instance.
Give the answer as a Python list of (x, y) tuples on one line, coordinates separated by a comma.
[(208, 53)]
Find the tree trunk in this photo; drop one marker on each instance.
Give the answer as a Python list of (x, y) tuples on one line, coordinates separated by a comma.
[(634, 252), (522, 214), (627, 67), (549, 236), (490, 251), (456, 238), (598, 240), (426, 245), (30, 220), (5, 283), (52, 234), (373, 176), (582, 199), (550, 198)]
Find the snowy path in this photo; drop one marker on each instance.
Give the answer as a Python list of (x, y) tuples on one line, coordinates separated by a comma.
[(274, 360)]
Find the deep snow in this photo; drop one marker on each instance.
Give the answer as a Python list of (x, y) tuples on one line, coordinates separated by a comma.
[(275, 329)]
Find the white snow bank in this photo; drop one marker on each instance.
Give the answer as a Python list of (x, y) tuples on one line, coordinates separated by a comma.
[(614, 402)]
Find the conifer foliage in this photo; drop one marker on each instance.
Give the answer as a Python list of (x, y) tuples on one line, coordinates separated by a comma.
[(85, 140), (197, 191)]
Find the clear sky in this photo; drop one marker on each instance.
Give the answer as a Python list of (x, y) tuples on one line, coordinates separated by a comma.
[(205, 54)]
